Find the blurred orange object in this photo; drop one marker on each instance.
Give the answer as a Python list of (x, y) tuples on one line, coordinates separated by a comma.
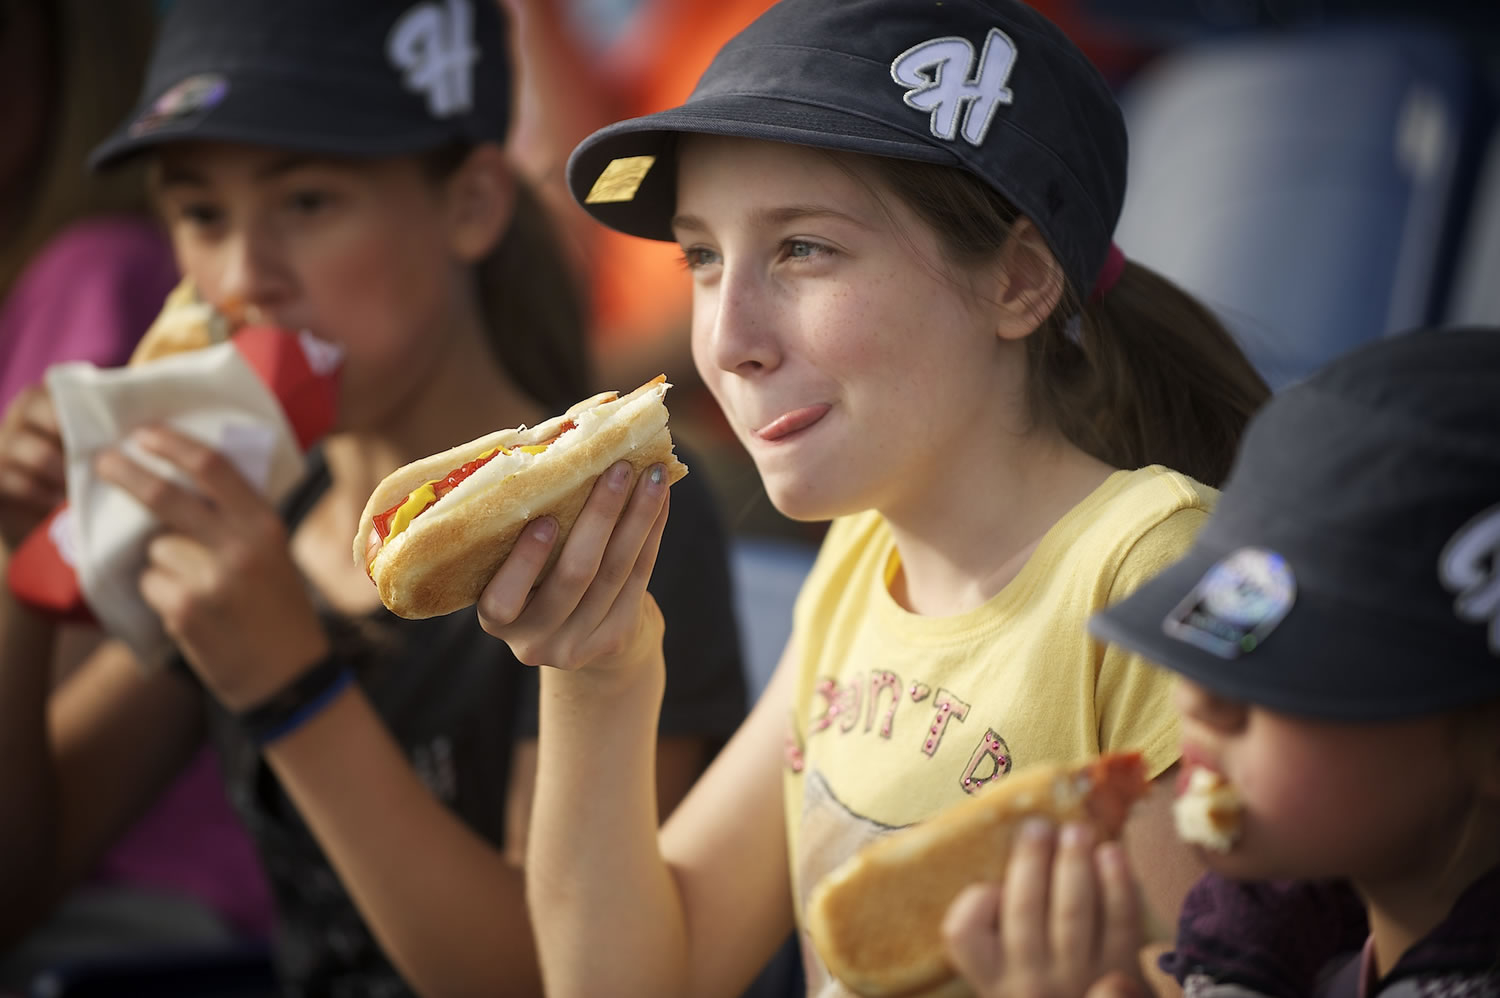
[(639, 287)]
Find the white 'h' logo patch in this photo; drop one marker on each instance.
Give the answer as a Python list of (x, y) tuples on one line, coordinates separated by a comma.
[(433, 44), (937, 73), (1463, 570)]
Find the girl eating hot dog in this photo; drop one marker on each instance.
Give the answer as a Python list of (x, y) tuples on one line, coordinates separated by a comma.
[(337, 166), (897, 218)]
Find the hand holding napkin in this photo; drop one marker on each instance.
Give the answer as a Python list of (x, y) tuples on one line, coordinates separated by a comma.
[(261, 399)]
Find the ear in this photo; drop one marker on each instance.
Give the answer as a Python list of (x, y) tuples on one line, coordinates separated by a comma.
[(1029, 282), (479, 197), (1490, 749)]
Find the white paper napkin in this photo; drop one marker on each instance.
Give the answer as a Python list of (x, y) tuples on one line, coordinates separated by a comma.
[(211, 395)]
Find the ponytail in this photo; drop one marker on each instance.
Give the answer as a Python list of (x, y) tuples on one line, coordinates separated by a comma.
[(1143, 375), (534, 308), (532, 305)]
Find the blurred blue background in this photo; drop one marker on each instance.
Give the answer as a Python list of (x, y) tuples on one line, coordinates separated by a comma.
[(1319, 173)]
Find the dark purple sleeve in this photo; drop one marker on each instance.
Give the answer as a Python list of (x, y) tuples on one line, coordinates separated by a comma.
[(1274, 938)]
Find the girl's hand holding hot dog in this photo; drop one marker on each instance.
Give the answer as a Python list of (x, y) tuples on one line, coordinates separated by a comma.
[(591, 612), (524, 521), (435, 531)]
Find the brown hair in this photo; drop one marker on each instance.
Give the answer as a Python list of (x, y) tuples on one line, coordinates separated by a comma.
[(1146, 375), (533, 307), (98, 55)]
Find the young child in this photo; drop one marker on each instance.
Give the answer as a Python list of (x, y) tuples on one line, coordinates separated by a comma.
[(1336, 627), (336, 165), (897, 221)]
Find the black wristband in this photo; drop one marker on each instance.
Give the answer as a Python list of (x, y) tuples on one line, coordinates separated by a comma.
[(298, 701)]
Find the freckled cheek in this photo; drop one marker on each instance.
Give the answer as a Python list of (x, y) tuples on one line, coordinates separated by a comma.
[(837, 334)]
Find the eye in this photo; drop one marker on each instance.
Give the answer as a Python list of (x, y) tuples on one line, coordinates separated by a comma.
[(805, 249), (309, 202), (697, 257), (203, 214)]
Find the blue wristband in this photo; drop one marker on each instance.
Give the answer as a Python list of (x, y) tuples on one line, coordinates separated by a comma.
[(298, 704)]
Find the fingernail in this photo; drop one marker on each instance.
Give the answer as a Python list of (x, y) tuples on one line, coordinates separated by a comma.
[(1075, 836), (144, 436), (1036, 829), (657, 477), (1111, 857), (618, 476), (544, 529)]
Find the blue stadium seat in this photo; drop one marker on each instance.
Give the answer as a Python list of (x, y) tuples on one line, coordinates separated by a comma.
[(1476, 286), (767, 575), (1171, 22), (1308, 186)]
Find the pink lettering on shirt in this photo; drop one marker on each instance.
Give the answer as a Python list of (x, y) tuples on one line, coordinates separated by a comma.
[(948, 707), (990, 761), (879, 683)]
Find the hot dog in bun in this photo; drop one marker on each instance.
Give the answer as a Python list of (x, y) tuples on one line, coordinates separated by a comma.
[(1208, 812), (185, 322), (435, 531), (876, 920)]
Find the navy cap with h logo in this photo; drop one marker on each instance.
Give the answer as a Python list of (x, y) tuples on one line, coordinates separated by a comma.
[(358, 78), (990, 86)]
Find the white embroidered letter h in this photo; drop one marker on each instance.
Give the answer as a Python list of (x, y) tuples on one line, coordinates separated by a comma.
[(937, 75), (1470, 567), (434, 46)]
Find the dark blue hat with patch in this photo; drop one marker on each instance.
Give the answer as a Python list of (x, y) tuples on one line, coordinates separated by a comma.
[(1352, 568), (990, 86), (357, 78)]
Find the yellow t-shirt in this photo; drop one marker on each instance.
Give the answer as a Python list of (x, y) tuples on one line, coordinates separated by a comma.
[(897, 716)]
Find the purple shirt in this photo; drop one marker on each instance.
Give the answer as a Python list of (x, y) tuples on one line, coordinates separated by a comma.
[(89, 294), (193, 843)]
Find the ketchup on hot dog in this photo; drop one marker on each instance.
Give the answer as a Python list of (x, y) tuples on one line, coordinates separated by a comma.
[(399, 516)]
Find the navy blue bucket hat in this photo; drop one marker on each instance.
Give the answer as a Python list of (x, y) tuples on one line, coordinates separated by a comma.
[(990, 86), (1351, 571), (355, 78)]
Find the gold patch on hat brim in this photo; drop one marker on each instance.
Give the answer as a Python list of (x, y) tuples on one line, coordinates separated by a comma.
[(620, 180)]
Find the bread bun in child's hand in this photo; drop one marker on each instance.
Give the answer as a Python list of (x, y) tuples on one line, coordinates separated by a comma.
[(1207, 813), (434, 532), (876, 920), (185, 323)]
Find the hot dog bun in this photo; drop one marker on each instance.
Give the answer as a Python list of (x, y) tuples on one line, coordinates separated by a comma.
[(1208, 812), (185, 323), (876, 920), (442, 561)]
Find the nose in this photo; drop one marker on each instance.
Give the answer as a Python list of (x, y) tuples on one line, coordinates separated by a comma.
[(1209, 709), (253, 281), (739, 328)]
